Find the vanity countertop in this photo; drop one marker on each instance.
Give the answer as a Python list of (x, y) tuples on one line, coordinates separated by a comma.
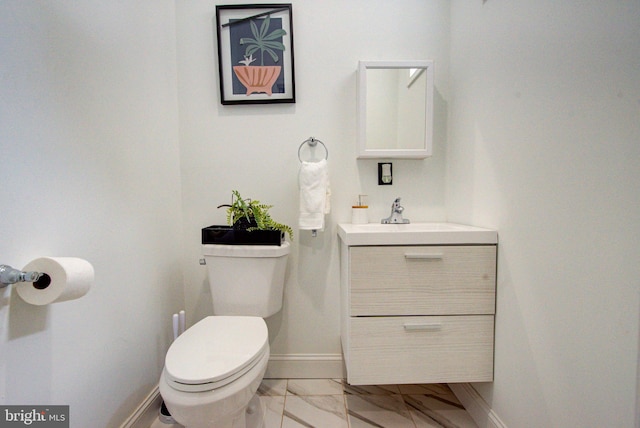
[(415, 234)]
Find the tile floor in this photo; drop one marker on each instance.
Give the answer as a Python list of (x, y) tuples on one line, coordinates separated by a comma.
[(329, 403)]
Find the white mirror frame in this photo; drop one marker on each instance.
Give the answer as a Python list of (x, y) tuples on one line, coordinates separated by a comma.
[(363, 152)]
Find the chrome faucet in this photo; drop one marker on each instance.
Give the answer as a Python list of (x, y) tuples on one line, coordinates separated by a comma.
[(396, 214)]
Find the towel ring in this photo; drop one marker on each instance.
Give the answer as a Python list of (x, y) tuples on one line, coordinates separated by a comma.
[(311, 141)]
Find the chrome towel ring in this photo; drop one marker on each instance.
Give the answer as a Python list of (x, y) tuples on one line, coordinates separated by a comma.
[(312, 142)]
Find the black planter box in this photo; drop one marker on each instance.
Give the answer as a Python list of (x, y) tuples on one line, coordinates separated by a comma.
[(227, 235)]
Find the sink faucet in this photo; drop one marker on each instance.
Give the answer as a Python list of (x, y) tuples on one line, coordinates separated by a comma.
[(396, 214)]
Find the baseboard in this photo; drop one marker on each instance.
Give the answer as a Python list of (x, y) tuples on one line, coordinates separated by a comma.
[(147, 411), (479, 410), (305, 366)]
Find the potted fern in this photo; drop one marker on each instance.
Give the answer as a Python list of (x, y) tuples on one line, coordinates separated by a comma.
[(248, 223)]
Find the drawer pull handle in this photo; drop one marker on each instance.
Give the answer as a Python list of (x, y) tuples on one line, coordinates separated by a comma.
[(420, 256), (423, 327)]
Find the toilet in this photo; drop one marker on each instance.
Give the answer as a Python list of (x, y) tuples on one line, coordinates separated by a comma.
[(213, 370)]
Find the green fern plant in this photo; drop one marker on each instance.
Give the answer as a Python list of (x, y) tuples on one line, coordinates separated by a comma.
[(252, 215), (262, 41)]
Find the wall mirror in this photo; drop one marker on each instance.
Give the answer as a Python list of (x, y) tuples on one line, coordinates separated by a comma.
[(395, 109)]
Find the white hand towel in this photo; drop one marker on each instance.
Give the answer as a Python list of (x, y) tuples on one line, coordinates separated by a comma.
[(314, 195)]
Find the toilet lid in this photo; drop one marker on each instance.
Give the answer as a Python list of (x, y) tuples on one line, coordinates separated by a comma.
[(215, 351)]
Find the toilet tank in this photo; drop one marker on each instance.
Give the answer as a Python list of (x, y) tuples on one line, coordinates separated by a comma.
[(246, 279)]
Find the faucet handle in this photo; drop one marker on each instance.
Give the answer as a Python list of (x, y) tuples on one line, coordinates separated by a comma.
[(396, 214)]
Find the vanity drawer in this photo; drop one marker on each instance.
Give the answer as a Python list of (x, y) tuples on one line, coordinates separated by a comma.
[(387, 350), (422, 280)]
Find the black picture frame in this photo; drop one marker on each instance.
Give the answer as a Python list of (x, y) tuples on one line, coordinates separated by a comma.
[(255, 53)]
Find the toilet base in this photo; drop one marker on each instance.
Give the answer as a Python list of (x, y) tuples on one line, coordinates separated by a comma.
[(252, 417), (255, 412)]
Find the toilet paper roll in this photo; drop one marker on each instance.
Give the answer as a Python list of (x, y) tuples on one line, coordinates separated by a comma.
[(64, 278)]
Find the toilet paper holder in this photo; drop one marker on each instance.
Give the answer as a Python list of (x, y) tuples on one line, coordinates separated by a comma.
[(9, 275)]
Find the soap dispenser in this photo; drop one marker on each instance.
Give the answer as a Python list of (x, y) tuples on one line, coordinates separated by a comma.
[(359, 212)]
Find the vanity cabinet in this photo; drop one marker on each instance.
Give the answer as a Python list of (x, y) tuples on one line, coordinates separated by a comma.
[(418, 313)]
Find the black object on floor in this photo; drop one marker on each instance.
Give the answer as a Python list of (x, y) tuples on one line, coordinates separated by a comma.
[(165, 416)]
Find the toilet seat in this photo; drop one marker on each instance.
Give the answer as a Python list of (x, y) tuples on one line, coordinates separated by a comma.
[(214, 352)]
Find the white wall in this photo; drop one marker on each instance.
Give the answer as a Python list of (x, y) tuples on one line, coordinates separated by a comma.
[(544, 146), (89, 147), (254, 148)]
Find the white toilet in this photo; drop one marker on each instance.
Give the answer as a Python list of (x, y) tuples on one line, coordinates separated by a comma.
[(212, 371)]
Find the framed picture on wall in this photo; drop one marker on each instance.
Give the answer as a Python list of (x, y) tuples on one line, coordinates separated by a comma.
[(255, 53)]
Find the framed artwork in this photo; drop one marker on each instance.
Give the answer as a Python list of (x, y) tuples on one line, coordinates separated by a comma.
[(255, 53)]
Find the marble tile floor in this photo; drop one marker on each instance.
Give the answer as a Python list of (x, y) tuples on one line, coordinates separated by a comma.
[(330, 403)]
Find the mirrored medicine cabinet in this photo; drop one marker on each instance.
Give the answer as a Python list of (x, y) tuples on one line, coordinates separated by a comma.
[(395, 109)]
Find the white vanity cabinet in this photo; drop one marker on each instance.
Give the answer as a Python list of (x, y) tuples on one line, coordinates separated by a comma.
[(418, 313)]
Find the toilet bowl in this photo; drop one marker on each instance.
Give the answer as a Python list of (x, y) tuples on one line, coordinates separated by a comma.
[(213, 370)]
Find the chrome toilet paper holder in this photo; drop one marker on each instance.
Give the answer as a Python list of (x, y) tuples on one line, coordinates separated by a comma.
[(9, 275)]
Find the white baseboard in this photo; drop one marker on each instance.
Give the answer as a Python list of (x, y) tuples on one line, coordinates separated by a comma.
[(479, 410), (147, 411), (301, 366)]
